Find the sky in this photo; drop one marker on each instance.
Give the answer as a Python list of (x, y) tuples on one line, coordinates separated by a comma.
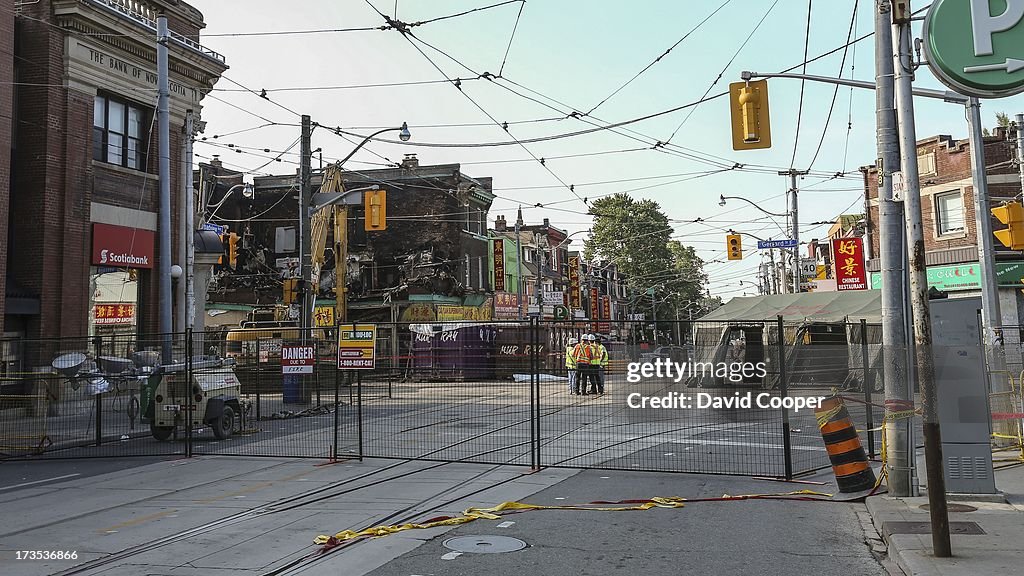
[(565, 56)]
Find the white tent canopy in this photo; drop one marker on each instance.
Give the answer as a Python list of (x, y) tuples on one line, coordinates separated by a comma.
[(849, 306)]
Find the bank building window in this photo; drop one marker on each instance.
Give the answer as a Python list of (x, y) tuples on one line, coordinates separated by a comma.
[(119, 132)]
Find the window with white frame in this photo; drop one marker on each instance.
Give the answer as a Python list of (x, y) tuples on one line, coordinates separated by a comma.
[(949, 213), (119, 132)]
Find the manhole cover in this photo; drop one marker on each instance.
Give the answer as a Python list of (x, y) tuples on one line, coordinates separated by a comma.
[(484, 544), (953, 507), (889, 528)]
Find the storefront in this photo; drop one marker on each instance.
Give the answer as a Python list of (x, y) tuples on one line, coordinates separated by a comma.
[(122, 259)]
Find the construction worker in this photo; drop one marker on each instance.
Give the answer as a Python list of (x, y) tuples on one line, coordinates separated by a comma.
[(584, 355), (570, 365), (601, 354)]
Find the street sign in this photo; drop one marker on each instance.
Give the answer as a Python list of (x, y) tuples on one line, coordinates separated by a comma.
[(297, 359), (356, 346), (899, 187), (808, 267), (976, 47), (787, 243), (215, 228)]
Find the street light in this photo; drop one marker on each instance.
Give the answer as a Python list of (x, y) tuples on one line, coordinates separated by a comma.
[(403, 134), (796, 232), (722, 200), (247, 192)]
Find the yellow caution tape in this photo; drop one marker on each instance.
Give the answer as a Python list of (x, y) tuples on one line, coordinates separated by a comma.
[(824, 417), (492, 513)]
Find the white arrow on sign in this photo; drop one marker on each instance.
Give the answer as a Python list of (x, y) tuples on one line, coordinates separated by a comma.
[(1011, 65)]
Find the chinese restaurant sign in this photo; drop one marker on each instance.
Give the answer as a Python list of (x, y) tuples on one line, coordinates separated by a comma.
[(848, 258), (574, 283), (499, 264), (114, 313)]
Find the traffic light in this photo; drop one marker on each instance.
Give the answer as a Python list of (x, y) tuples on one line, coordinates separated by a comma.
[(290, 294), (734, 245), (1011, 214), (232, 249), (748, 105), (375, 202), (224, 245)]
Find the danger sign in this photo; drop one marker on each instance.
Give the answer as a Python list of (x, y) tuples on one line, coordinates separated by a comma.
[(297, 359)]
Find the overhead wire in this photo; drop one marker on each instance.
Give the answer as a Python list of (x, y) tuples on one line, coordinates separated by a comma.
[(656, 60), (835, 93), (800, 107), (726, 67), (511, 37)]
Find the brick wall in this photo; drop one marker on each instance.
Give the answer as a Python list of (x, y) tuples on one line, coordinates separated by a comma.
[(37, 256), (56, 183), (953, 172), (6, 125)]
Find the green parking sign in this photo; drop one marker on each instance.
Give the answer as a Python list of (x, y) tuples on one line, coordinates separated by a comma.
[(976, 47)]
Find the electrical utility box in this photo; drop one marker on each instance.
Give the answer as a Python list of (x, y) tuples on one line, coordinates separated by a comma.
[(962, 386)]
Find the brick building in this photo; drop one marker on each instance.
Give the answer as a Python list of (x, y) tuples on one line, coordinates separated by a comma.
[(83, 197), (430, 263), (948, 216)]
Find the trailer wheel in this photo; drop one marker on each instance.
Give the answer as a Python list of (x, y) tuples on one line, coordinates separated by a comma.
[(161, 433), (224, 424)]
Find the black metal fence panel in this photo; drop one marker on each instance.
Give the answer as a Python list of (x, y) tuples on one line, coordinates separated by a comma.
[(711, 397)]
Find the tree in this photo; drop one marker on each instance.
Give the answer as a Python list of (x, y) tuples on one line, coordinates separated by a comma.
[(635, 235), (1002, 121)]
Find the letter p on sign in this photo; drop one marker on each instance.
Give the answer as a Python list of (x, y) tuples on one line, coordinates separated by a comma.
[(984, 24)]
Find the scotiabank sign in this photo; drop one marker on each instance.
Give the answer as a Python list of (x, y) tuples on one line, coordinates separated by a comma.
[(121, 247)]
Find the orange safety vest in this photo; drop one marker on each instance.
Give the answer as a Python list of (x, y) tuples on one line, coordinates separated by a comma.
[(585, 354)]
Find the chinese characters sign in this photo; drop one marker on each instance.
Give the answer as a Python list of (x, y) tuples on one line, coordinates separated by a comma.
[(595, 310), (606, 314), (356, 346), (323, 316), (848, 259), (574, 283), (499, 264), (114, 313), (506, 306)]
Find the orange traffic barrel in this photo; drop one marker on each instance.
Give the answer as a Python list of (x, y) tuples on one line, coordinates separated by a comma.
[(849, 461)]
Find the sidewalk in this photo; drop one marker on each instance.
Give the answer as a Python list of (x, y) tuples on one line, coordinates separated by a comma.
[(998, 551)]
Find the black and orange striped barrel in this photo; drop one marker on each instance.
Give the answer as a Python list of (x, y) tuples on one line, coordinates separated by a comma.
[(849, 461)]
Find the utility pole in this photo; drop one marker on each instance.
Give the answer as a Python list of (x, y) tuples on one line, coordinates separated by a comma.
[(305, 241), (190, 225), (794, 217), (164, 155), (1020, 147), (903, 66), (898, 392)]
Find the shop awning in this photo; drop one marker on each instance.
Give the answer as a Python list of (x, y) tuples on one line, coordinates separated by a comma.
[(849, 306)]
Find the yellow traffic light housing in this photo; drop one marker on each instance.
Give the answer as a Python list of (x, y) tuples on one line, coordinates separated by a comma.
[(734, 246), (751, 124), (375, 202), (1011, 214), (232, 249)]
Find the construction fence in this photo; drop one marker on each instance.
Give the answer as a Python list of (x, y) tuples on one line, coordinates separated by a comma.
[(708, 397)]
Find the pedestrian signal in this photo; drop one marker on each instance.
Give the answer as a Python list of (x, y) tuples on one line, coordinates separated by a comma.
[(734, 246), (748, 106)]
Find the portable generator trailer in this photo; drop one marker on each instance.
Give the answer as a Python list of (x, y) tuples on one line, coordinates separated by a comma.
[(210, 397)]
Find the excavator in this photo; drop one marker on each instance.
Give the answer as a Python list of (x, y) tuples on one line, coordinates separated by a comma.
[(331, 214)]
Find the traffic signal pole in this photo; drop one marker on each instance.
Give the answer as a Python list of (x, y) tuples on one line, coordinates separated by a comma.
[(990, 310), (794, 218), (898, 390), (904, 71)]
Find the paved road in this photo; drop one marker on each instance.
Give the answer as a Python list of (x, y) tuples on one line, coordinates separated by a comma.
[(729, 538)]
